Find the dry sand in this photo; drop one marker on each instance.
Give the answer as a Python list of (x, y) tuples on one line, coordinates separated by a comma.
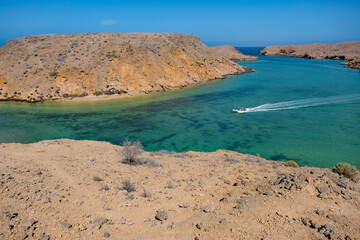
[(48, 191)]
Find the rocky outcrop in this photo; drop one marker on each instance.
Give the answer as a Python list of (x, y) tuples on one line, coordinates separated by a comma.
[(46, 67), (228, 51), (353, 63), (342, 51)]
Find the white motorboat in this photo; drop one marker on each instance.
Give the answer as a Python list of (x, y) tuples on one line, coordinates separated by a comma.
[(240, 110)]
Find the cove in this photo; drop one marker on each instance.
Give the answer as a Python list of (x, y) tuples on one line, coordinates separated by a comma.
[(199, 118)]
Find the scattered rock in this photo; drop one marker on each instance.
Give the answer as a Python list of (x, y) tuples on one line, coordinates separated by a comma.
[(199, 225), (323, 191), (63, 224), (184, 205), (28, 223), (208, 208), (106, 235), (122, 220), (161, 215), (43, 236)]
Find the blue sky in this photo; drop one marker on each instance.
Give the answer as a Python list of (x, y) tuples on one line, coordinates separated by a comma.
[(240, 23)]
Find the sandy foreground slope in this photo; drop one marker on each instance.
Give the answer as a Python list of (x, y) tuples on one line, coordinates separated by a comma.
[(51, 190)]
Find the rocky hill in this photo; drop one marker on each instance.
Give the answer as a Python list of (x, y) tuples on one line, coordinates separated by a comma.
[(66, 189), (232, 53), (345, 50), (45, 67)]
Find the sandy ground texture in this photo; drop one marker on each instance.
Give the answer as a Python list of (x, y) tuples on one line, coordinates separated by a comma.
[(57, 66), (67, 189), (345, 50), (232, 53)]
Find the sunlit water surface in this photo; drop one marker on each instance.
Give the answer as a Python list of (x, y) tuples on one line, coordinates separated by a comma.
[(304, 110)]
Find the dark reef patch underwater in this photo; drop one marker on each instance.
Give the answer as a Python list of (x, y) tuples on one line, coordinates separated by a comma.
[(200, 118)]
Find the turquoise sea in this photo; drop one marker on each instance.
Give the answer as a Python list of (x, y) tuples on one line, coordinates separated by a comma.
[(300, 109)]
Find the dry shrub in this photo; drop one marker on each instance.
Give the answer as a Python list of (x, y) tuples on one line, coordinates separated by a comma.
[(291, 163), (131, 152), (128, 186), (346, 169)]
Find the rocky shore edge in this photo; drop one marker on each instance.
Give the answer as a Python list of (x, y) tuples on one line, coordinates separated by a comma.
[(349, 51)]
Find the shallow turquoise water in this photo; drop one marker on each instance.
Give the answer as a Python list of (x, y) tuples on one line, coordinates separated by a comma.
[(200, 118)]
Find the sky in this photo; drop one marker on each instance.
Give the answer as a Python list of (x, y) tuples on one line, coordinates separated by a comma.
[(239, 23)]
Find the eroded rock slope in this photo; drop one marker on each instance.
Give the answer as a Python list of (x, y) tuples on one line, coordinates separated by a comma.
[(44, 67), (232, 53)]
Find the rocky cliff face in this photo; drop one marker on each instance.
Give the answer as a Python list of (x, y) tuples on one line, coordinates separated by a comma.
[(45, 67), (345, 50), (228, 51)]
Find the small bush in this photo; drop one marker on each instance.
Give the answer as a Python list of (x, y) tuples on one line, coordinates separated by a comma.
[(146, 194), (162, 153), (148, 161), (128, 186), (131, 152), (151, 154), (230, 159), (111, 55), (130, 196), (182, 155), (54, 73), (97, 178), (346, 169), (291, 163)]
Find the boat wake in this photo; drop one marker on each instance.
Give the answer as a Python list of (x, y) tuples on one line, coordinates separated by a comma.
[(311, 102)]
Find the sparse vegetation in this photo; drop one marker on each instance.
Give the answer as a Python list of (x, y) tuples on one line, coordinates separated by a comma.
[(149, 161), (97, 179), (152, 154), (111, 55), (291, 163), (128, 186), (131, 152), (146, 194), (54, 73), (346, 169), (230, 159)]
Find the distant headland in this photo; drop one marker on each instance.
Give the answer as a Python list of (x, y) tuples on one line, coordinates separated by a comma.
[(349, 51)]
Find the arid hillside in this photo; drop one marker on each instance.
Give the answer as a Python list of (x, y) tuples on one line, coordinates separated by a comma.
[(67, 189), (232, 53), (345, 50), (44, 67)]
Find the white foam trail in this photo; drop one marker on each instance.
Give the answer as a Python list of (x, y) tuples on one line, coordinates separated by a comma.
[(304, 103)]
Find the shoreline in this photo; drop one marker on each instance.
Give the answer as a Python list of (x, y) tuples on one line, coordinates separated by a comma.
[(92, 98)]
